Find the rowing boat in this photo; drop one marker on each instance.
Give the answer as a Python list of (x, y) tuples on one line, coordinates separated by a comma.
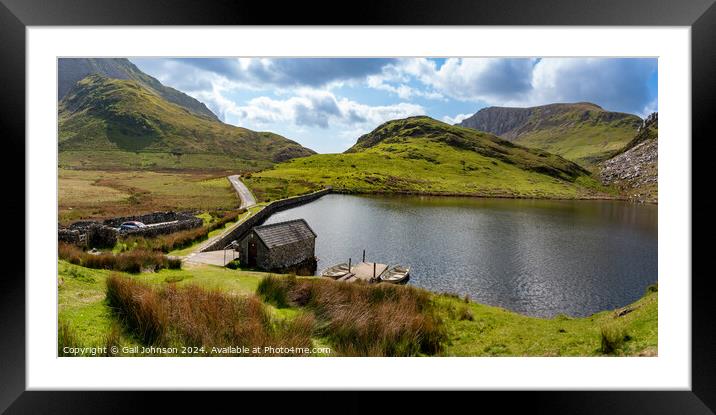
[(336, 271), (395, 274)]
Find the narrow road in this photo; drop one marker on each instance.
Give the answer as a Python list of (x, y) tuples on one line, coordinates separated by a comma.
[(247, 198), (217, 257)]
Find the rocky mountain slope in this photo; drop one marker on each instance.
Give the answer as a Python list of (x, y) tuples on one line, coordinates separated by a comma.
[(582, 132), (111, 116), (71, 70), (634, 169)]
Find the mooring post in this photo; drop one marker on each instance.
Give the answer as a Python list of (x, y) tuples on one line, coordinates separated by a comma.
[(349, 265), (374, 270), (364, 255)]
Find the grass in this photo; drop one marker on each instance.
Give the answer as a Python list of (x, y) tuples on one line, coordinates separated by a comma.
[(85, 194), (362, 320), (391, 168), (82, 295), (216, 229), (267, 189), (207, 319), (118, 160), (424, 156), (178, 241), (581, 142), (494, 331), (581, 132), (134, 261), (491, 331)]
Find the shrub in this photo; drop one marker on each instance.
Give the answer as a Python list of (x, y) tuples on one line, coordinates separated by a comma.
[(652, 288), (361, 319), (173, 263), (233, 264)]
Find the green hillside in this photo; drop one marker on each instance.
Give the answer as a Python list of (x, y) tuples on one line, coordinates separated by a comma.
[(581, 132), (422, 155), (72, 70), (107, 122)]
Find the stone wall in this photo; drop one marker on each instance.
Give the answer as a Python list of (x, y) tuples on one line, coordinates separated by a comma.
[(239, 231), (280, 258), (149, 218), (163, 229), (91, 234), (290, 254), (105, 234)]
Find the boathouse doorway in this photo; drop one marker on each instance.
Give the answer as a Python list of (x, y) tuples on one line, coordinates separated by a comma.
[(251, 260)]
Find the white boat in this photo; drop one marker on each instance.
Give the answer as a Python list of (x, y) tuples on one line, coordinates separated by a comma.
[(336, 271), (395, 274)]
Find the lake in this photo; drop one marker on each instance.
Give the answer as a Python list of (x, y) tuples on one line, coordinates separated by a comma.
[(536, 257)]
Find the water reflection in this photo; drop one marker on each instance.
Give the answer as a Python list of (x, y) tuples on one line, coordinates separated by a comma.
[(537, 257)]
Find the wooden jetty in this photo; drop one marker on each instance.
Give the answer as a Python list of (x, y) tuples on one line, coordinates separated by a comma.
[(363, 271)]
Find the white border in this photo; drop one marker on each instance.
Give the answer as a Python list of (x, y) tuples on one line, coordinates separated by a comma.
[(670, 370)]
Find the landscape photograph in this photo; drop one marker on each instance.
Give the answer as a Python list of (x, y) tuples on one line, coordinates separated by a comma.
[(377, 207)]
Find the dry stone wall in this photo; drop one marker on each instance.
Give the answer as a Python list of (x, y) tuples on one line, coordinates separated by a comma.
[(236, 233), (105, 233)]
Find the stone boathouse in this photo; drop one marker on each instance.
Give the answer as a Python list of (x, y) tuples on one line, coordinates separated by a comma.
[(278, 246)]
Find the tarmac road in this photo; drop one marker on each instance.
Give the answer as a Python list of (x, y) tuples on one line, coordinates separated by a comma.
[(247, 198)]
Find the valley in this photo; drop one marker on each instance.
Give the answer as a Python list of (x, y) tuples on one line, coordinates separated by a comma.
[(517, 223)]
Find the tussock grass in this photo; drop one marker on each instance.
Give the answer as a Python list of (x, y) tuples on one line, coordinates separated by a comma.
[(133, 261), (193, 316), (113, 340), (612, 337), (66, 337), (363, 320)]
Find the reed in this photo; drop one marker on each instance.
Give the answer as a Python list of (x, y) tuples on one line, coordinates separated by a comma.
[(363, 319), (197, 317)]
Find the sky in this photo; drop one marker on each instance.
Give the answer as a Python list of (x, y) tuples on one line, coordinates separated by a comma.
[(327, 103)]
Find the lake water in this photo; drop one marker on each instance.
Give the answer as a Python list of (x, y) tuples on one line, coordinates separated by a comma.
[(536, 257)]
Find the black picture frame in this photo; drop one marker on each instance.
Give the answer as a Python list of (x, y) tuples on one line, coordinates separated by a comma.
[(16, 15)]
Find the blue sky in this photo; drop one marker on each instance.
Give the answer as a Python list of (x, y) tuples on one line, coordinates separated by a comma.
[(327, 103)]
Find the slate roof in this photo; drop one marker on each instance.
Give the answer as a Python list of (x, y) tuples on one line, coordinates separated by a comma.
[(284, 233)]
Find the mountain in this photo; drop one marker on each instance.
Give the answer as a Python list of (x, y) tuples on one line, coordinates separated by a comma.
[(425, 156), (71, 70), (582, 132), (634, 169), (123, 116)]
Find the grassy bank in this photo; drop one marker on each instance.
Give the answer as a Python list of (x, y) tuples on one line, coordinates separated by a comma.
[(426, 167), (429, 324)]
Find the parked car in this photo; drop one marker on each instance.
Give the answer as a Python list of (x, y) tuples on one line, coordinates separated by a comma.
[(125, 226)]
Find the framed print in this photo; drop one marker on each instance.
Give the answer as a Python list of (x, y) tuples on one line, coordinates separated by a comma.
[(452, 197)]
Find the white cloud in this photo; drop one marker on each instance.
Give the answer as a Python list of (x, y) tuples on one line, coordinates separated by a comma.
[(314, 108), (615, 84), (402, 90), (456, 119)]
